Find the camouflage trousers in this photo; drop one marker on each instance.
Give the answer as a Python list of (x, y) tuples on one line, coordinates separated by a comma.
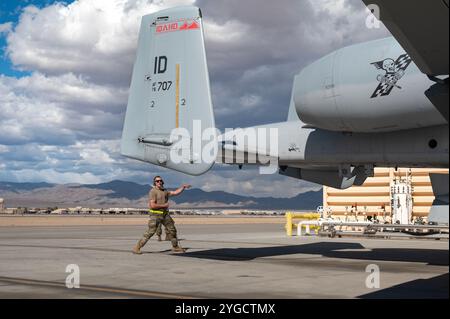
[(155, 222), (159, 231)]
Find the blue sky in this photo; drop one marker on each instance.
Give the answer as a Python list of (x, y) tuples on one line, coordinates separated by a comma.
[(10, 11), (64, 82)]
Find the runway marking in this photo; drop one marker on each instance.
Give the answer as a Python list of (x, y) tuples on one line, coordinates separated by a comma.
[(138, 293), (129, 250), (121, 250), (62, 247)]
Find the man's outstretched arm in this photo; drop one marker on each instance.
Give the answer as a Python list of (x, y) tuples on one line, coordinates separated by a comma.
[(179, 190)]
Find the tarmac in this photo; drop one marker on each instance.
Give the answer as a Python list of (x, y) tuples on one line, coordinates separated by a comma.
[(222, 261)]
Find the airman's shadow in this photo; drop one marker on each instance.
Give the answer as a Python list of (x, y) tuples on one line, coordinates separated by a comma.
[(328, 249)]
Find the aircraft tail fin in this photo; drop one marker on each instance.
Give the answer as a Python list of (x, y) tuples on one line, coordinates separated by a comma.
[(169, 90)]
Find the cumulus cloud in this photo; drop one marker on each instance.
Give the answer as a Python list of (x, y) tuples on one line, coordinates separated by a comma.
[(62, 122), (91, 161), (5, 27), (50, 176), (58, 110), (248, 182), (94, 39)]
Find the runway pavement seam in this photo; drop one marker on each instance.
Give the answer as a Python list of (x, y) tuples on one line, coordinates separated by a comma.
[(133, 240), (121, 291)]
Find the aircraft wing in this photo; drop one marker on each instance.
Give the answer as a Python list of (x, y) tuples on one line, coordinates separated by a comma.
[(421, 27)]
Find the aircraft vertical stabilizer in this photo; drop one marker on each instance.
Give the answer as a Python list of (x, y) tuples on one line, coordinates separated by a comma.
[(169, 90)]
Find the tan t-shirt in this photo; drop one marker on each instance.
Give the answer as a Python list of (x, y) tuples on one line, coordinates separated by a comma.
[(159, 196)]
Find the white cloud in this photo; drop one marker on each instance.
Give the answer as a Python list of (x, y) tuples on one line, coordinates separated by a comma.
[(250, 182), (57, 109), (95, 39), (97, 153), (24, 118), (72, 92), (52, 176), (5, 27), (341, 22), (250, 100), (230, 31)]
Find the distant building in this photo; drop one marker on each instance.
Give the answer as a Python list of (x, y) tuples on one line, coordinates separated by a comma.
[(390, 195), (2, 205)]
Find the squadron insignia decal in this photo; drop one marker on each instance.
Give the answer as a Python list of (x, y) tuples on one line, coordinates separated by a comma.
[(293, 148), (394, 72), (177, 26)]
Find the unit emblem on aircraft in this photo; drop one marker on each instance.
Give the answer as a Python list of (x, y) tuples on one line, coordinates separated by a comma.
[(394, 72), (293, 148), (177, 26)]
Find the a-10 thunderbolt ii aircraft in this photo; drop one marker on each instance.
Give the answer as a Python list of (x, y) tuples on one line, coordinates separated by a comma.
[(378, 103)]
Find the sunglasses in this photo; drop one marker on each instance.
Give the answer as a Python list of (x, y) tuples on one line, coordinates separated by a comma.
[(159, 180)]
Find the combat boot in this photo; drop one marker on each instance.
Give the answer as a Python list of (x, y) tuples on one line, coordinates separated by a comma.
[(168, 238), (178, 249), (137, 248)]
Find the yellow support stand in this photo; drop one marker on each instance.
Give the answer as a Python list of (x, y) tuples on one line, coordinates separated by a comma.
[(299, 216), (289, 224)]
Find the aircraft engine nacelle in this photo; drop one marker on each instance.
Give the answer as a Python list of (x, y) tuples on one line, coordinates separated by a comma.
[(369, 87)]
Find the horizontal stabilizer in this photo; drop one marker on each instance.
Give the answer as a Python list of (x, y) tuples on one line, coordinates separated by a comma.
[(329, 177), (169, 99)]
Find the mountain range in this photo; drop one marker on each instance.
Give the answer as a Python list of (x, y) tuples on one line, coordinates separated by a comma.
[(128, 194)]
